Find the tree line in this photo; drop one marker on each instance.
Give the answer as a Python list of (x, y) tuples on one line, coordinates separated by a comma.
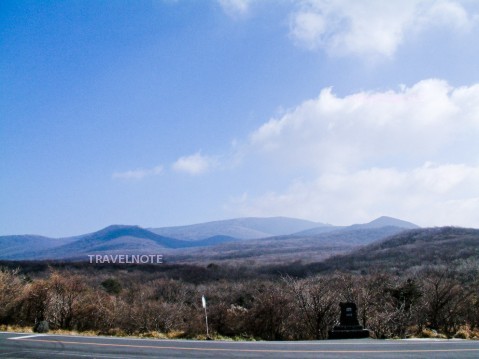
[(429, 301)]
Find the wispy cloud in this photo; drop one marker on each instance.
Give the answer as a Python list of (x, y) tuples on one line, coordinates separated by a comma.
[(194, 164), (371, 27), (235, 8), (138, 174), (429, 194)]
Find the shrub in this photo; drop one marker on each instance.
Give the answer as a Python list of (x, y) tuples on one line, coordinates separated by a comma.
[(112, 286), (462, 334), (41, 327)]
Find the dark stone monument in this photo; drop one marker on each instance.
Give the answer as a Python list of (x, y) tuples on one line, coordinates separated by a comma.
[(348, 327)]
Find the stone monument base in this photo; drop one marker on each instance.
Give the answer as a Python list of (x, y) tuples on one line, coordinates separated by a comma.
[(348, 332), (348, 327)]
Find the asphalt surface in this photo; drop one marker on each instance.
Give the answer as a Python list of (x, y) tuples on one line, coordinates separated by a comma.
[(16, 345)]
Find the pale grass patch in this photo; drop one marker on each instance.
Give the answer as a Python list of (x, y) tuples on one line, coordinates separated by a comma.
[(15, 328), (430, 333), (73, 332)]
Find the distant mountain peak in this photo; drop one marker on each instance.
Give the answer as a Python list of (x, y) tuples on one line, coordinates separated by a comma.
[(385, 221), (115, 227), (390, 221)]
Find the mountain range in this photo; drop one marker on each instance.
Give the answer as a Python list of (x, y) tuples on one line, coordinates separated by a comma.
[(267, 238), (241, 228)]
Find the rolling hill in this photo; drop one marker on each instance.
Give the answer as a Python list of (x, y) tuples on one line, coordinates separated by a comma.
[(385, 221), (413, 248), (380, 222), (111, 240), (11, 246), (306, 248), (263, 239), (241, 228)]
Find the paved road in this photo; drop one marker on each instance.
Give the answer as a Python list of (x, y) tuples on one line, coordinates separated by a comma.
[(15, 345)]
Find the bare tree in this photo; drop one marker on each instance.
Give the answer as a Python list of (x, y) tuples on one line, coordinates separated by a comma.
[(317, 299), (270, 312), (11, 288), (444, 301)]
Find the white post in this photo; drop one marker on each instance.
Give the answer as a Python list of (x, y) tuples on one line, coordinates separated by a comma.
[(203, 301)]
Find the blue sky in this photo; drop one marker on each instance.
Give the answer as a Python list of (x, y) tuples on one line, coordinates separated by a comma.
[(162, 113)]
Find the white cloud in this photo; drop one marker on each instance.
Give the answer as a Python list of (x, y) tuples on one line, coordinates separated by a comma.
[(194, 164), (419, 123), (448, 13), (428, 195), (235, 8), (410, 153), (371, 27), (138, 174)]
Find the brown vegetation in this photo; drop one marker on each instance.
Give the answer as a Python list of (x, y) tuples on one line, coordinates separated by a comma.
[(242, 302)]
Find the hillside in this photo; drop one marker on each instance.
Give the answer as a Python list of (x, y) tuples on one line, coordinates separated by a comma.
[(241, 228), (306, 248), (11, 246), (380, 222), (416, 247)]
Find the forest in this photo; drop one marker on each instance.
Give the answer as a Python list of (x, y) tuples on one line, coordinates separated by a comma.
[(247, 302)]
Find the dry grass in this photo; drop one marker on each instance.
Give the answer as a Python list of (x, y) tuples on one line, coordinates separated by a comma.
[(466, 333), (15, 328), (159, 335), (73, 332), (430, 333)]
